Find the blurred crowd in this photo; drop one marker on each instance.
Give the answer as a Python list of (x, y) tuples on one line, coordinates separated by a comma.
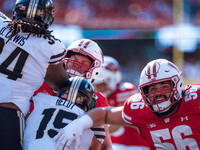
[(106, 14)]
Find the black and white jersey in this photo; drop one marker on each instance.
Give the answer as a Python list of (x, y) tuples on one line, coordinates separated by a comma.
[(23, 63), (49, 115)]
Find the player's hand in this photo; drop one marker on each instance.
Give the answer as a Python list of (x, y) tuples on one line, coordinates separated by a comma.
[(67, 135)]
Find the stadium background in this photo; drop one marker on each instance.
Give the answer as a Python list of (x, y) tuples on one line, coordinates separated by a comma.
[(133, 31)]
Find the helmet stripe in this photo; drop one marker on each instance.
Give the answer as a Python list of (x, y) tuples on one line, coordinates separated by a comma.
[(74, 89), (81, 43), (71, 91), (32, 9), (148, 72), (78, 83), (86, 45), (35, 8), (154, 69)]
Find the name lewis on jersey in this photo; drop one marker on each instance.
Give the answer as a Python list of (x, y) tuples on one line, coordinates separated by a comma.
[(18, 39)]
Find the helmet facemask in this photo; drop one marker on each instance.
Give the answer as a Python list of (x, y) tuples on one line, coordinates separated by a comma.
[(90, 49), (76, 68)]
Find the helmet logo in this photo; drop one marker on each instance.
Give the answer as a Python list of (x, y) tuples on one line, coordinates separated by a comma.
[(64, 95), (22, 7), (85, 45), (173, 66), (152, 70)]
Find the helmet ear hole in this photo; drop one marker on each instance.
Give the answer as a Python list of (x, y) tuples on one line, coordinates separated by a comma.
[(145, 89), (92, 80)]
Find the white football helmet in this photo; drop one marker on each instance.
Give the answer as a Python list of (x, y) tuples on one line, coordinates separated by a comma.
[(158, 71), (110, 75), (87, 48)]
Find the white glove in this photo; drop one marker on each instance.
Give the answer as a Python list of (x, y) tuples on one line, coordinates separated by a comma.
[(71, 132)]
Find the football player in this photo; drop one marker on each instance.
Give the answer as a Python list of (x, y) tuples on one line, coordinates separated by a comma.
[(117, 92), (51, 113), (84, 58), (28, 52), (165, 113)]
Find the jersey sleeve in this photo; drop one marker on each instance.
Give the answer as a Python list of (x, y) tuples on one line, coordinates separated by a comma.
[(101, 101), (131, 107), (57, 53), (99, 133), (191, 97)]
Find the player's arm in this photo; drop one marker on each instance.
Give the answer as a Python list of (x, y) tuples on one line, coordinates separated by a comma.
[(95, 145), (55, 76), (107, 115), (113, 128), (95, 117)]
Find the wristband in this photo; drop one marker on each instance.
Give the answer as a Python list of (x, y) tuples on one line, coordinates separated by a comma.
[(86, 121)]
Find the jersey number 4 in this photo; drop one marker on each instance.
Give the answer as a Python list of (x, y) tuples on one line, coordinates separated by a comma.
[(20, 55)]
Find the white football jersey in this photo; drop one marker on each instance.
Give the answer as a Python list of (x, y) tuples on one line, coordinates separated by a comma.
[(49, 115), (23, 63)]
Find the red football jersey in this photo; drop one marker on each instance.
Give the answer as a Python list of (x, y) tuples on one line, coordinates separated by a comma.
[(125, 135), (44, 88), (178, 131), (101, 100), (123, 91)]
